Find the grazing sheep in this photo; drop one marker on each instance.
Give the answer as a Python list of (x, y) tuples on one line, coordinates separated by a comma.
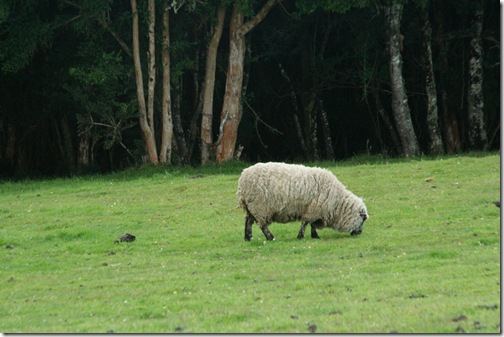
[(279, 192)]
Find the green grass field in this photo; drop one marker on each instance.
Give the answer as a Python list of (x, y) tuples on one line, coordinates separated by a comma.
[(428, 259)]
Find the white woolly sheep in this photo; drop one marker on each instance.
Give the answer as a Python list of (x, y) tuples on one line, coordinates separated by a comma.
[(279, 192)]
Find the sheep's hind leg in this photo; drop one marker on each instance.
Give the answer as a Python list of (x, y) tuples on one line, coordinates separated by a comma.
[(249, 220), (302, 230), (314, 233), (267, 233)]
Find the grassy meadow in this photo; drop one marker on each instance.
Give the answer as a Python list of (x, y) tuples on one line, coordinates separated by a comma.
[(428, 259)]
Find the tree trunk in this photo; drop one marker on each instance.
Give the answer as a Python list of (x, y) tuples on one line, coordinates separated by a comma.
[(451, 133), (11, 144), (64, 143), (436, 144), (388, 122), (311, 116), (400, 106), (478, 139), (84, 147), (295, 109), (307, 86), (151, 84), (193, 125), (232, 94), (178, 129), (326, 128), (147, 129), (59, 139), (246, 75), (167, 127), (209, 86), (198, 98), (68, 144), (234, 80)]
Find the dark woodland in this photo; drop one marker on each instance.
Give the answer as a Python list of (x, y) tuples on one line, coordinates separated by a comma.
[(101, 85)]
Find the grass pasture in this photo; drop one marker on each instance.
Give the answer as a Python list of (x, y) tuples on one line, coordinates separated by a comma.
[(428, 259)]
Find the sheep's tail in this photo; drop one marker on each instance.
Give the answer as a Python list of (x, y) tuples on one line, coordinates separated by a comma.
[(241, 201), (242, 204)]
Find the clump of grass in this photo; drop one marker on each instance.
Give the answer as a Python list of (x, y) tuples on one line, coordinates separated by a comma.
[(427, 261)]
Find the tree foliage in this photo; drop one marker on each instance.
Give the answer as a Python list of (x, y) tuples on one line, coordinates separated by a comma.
[(316, 74)]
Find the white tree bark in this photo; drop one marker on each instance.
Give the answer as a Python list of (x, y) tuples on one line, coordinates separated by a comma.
[(167, 127), (436, 143), (147, 129), (231, 107), (209, 86), (400, 105), (478, 139)]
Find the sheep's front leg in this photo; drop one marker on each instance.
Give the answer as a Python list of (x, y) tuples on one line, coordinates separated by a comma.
[(249, 221), (267, 233), (302, 230)]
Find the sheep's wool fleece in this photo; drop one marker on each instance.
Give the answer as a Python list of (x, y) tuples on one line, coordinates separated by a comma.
[(279, 192)]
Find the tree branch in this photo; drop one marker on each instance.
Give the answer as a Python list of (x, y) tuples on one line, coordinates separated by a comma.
[(249, 25), (119, 40)]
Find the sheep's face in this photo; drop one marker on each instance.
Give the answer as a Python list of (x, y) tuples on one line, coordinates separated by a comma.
[(363, 217), (351, 214)]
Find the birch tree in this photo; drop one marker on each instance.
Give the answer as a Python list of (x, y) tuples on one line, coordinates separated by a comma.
[(167, 130), (400, 105), (451, 134), (209, 85), (146, 111), (477, 133), (231, 107), (436, 143)]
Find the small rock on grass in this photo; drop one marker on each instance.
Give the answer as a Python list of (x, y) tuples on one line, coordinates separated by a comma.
[(478, 325), (412, 296), (337, 312), (126, 238), (459, 318), (312, 328), (459, 329)]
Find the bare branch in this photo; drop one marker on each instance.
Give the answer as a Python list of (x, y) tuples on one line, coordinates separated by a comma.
[(258, 119), (119, 40), (249, 25)]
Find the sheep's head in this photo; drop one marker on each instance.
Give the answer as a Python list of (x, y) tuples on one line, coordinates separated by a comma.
[(350, 215), (363, 217)]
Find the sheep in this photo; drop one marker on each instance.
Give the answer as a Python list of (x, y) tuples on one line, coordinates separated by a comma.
[(280, 192)]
